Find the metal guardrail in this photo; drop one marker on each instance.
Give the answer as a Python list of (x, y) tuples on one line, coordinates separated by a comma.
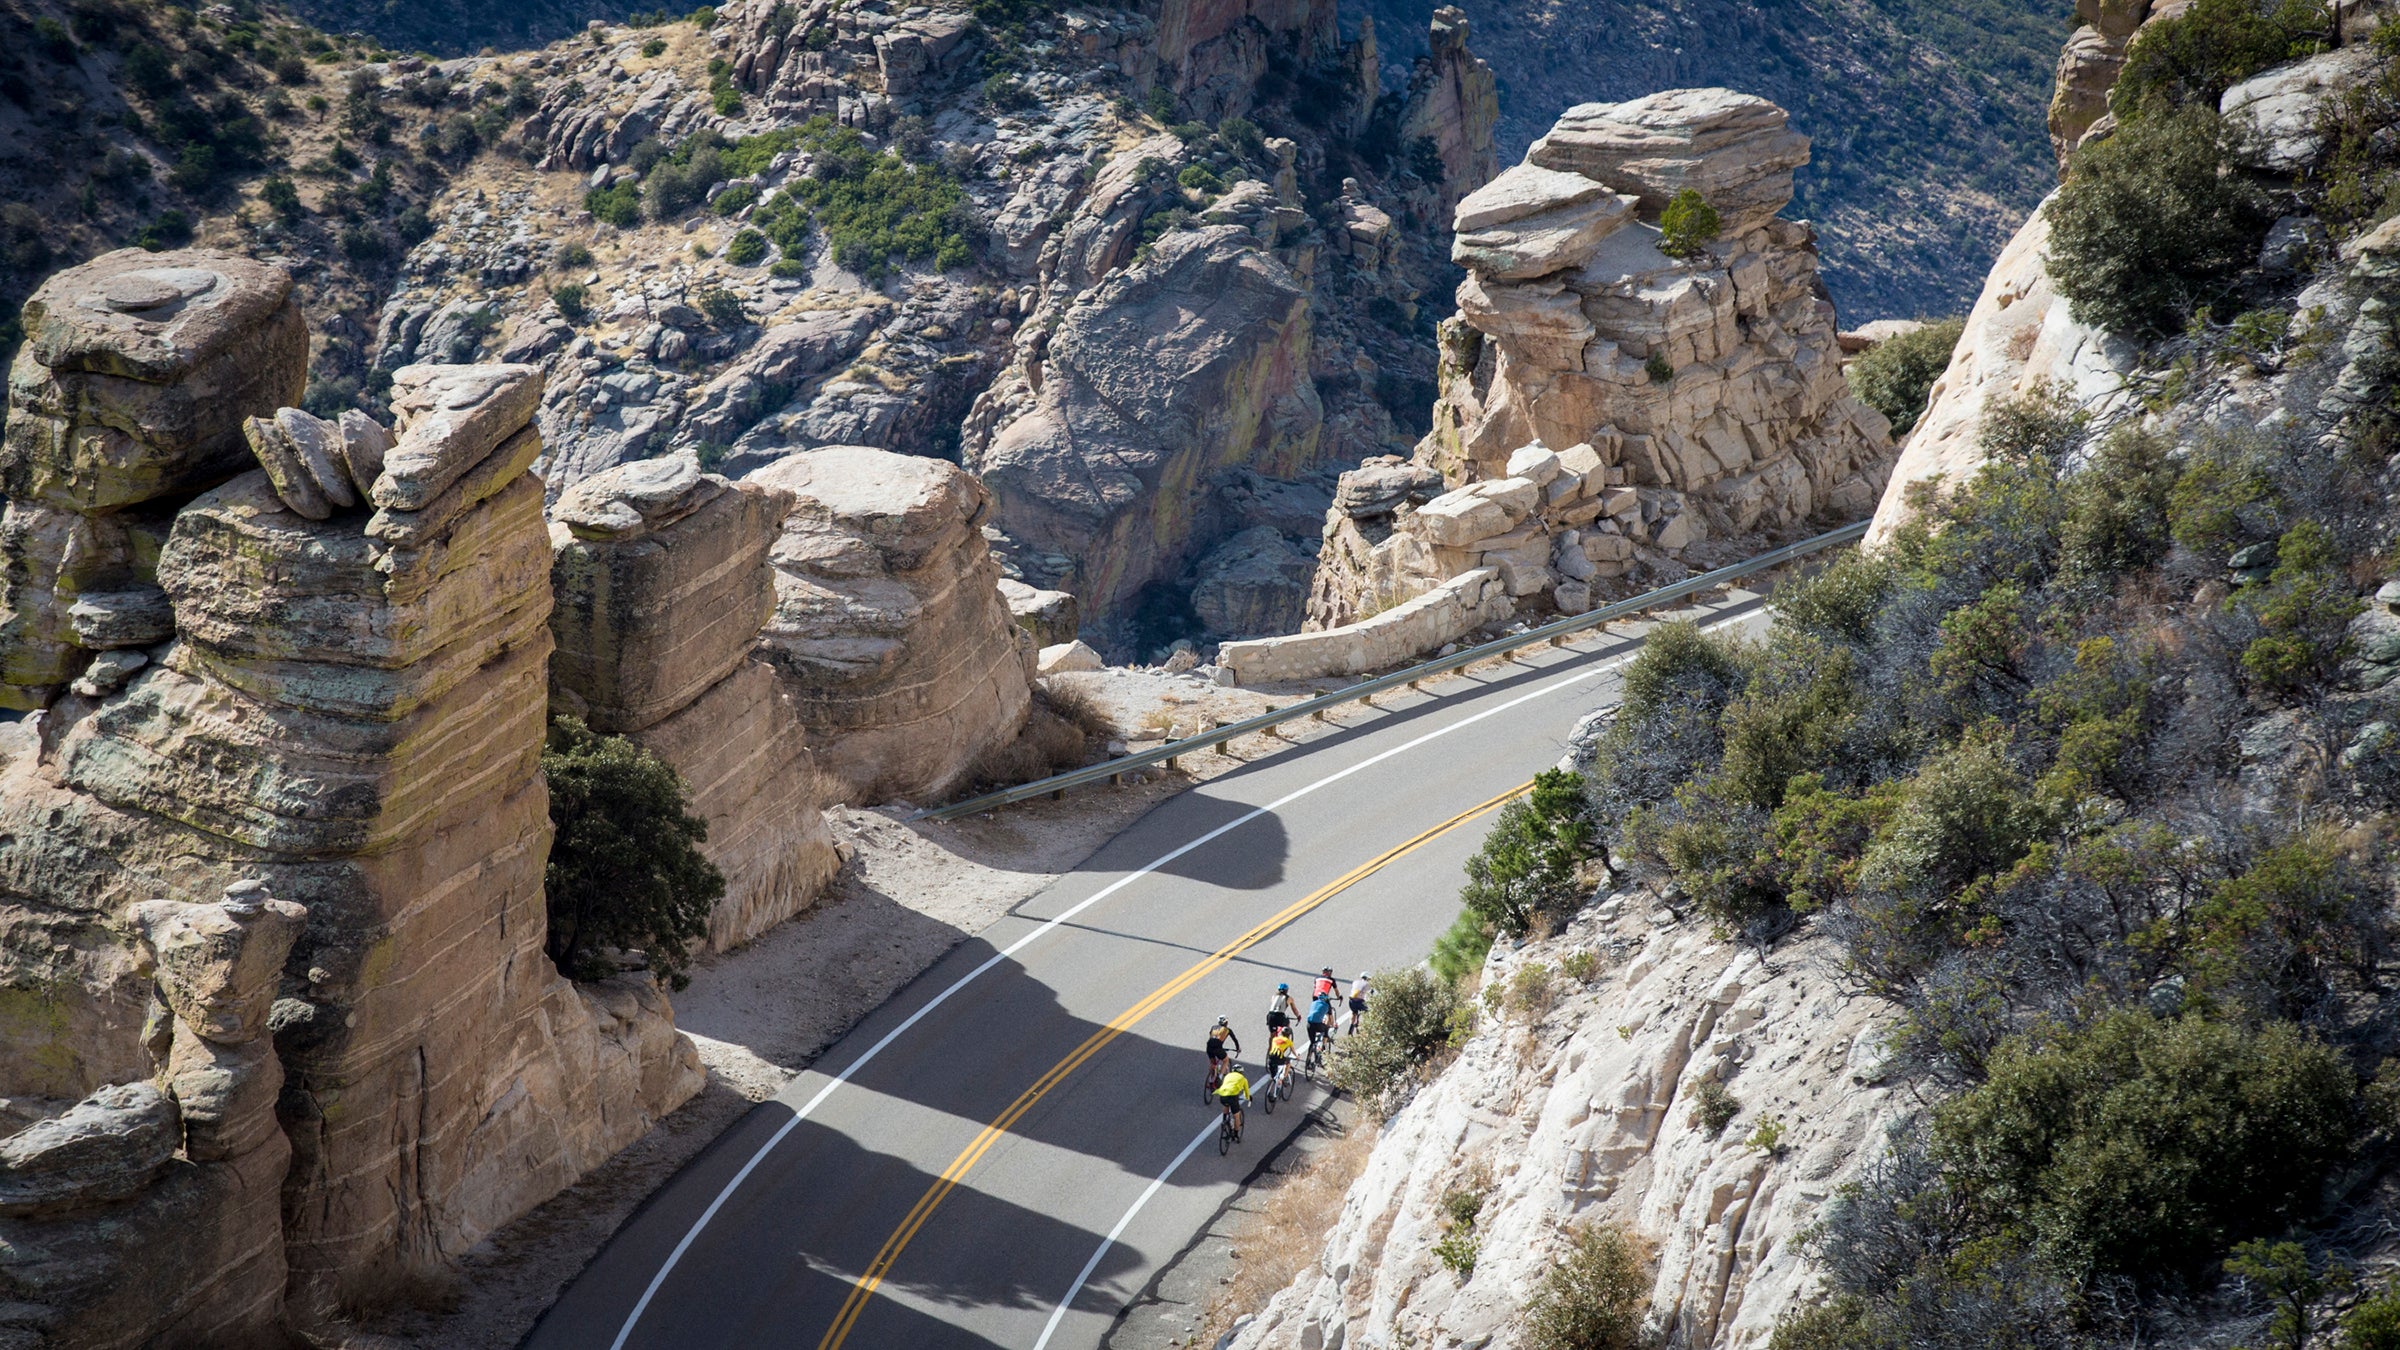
[(1220, 737)]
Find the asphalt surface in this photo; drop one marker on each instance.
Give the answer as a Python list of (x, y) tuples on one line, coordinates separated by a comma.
[(1026, 1118)]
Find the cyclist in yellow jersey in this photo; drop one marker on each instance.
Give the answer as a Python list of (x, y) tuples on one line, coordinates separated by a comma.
[(1279, 1053), (1231, 1094)]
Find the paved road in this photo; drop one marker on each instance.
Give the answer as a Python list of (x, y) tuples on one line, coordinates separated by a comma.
[(1025, 1120)]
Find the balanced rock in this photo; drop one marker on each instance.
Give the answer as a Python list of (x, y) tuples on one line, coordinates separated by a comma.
[(889, 629), (127, 398), (1735, 149)]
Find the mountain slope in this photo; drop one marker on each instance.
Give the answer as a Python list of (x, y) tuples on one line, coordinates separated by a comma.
[(1927, 114)]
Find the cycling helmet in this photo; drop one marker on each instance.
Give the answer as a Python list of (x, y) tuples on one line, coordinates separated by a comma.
[(1283, 989), (1327, 971), (1362, 975), (1224, 1022)]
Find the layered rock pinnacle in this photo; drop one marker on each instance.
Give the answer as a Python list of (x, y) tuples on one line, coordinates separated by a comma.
[(1604, 406), (336, 691)]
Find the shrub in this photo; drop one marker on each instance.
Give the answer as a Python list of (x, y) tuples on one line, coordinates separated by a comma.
[(1002, 93), (2150, 224), (1595, 1297), (290, 69), (1687, 225), (2304, 610), (171, 229), (1580, 965), (875, 206), (679, 181), (1461, 1243), (2268, 941), (51, 39), (2143, 1147), (1528, 862), (1242, 136), (2282, 1274), (2196, 56), (2374, 1324), (620, 206), (784, 221), (1416, 1016), (1460, 950), (148, 70), (654, 46), (1896, 377), (787, 268), (625, 868), (746, 249), (1198, 178), (570, 301), (1658, 367), (280, 196), (723, 308), (731, 201), (1713, 1108), (573, 254)]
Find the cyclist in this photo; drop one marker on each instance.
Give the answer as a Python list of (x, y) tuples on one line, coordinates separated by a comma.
[(1232, 1094), (1325, 983), (1358, 1000), (1218, 1036), (1279, 1056), (1320, 1020), (1280, 1010)]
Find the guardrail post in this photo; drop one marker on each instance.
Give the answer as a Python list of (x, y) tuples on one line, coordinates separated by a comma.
[(1058, 794), (1222, 746)]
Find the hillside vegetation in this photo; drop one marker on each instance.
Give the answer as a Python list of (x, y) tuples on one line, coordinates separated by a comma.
[(1927, 114)]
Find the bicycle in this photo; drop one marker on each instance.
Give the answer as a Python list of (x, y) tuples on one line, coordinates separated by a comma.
[(1216, 1075), (1227, 1135), (1316, 1052), (1279, 1087)]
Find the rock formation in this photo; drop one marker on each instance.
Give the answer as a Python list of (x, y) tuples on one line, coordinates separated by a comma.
[(661, 582), (344, 703), (1605, 407), (1453, 102), (889, 630), (1586, 1114), (126, 399)]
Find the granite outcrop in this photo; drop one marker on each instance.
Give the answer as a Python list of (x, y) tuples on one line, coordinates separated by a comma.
[(661, 583), (1609, 411), (337, 730), (889, 632)]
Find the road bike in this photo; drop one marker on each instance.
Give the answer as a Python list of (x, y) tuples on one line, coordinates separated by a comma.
[(1216, 1075), (1317, 1041), (1227, 1135), (1279, 1086)]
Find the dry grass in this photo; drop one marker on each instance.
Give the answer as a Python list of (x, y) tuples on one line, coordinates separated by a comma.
[(1283, 1236), (1077, 703)]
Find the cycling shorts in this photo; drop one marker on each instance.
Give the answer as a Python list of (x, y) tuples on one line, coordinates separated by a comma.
[(1216, 1049), (1319, 1029), (1358, 1005), (1275, 1062), (1279, 1020)]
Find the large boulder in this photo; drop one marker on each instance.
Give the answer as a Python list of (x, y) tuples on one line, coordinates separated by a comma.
[(1734, 148), (889, 629)]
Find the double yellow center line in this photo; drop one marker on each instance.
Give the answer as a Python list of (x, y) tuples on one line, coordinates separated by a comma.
[(863, 1289)]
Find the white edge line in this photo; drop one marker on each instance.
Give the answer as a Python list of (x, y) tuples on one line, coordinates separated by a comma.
[(666, 1268), (1059, 1314)]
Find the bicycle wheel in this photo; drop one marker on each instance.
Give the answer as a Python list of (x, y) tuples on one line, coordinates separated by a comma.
[(1224, 1137), (1268, 1097), (1283, 1083)]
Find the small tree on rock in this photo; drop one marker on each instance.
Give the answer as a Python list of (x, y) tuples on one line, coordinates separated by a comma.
[(1528, 862), (625, 870), (1687, 225)]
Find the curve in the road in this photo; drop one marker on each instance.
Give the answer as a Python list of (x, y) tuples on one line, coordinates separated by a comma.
[(1123, 1022), (860, 1293)]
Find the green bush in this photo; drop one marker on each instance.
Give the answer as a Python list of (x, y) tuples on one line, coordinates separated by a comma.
[(1460, 950), (1713, 1108), (1896, 377), (1595, 1297), (875, 206), (746, 249), (625, 867), (731, 201), (570, 300), (784, 221), (1687, 225), (1658, 368), (1528, 863), (1002, 93), (2304, 610), (679, 181), (653, 46), (723, 308), (281, 196), (787, 268), (2268, 941), (2143, 1147), (1198, 178), (1415, 1017), (171, 229), (2196, 56), (620, 206), (573, 254), (2151, 224), (2374, 1324)]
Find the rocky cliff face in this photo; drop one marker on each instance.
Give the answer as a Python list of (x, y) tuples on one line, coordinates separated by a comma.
[(1608, 410), (662, 583), (1583, 1110), (328, 677), (1162, 340)]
